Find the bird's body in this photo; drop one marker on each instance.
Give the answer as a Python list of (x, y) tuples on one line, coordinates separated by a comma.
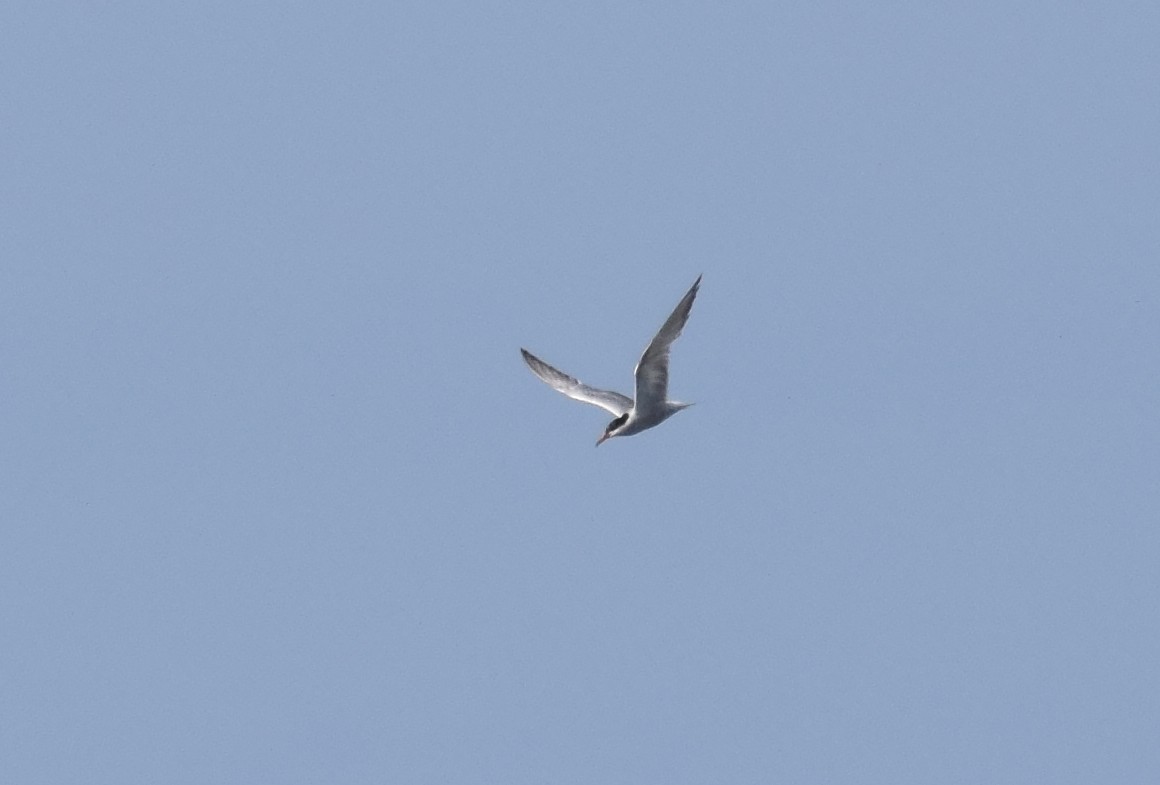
[(652, 405)]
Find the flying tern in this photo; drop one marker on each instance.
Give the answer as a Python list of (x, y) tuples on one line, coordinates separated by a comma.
[(652, 405)]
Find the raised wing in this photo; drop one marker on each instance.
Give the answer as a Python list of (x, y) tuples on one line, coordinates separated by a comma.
[(614, 402), (652, 372)]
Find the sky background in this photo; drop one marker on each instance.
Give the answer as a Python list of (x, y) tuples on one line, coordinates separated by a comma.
[(279, 501)]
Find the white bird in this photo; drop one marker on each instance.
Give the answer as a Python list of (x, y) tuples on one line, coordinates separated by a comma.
[(652, 405)]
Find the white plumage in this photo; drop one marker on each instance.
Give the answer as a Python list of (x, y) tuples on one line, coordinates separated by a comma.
[(652, 405)]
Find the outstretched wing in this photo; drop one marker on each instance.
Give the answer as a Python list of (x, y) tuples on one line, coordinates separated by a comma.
[(652, 372), (614, 402)]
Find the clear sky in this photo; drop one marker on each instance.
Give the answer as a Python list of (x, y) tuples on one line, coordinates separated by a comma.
[(280, 503)]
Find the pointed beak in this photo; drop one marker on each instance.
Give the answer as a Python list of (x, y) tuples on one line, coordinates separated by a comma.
[(603, 438)]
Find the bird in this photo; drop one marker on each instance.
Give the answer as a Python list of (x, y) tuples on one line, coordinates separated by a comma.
[(652, 405)]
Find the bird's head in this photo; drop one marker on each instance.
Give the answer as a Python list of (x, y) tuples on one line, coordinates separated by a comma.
[(613, 429)]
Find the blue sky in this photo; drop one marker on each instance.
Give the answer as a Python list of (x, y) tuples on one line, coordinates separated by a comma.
[(281, 503)]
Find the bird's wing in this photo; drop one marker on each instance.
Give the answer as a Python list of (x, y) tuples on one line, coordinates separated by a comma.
[(652, 372), (614, 402)]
